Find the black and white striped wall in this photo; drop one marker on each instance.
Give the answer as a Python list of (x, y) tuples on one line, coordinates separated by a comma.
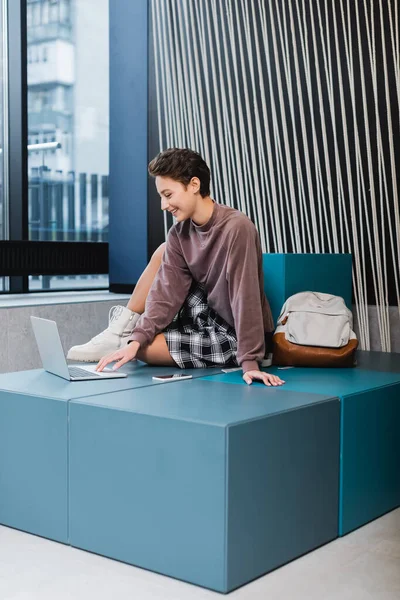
[(295, 105)]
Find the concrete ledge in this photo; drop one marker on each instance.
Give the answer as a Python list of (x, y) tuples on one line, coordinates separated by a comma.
[(73, 297)]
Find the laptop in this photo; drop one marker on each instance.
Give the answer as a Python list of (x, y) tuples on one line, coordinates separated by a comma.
[(53, 357)]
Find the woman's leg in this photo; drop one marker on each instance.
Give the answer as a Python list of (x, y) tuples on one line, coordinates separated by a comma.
[(138, 299), (109, 341), (157, 353)]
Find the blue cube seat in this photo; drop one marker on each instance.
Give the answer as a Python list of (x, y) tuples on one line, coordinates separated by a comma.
[(370, 417), (34, 446), (369, 440), (33, 464), (206, 482)]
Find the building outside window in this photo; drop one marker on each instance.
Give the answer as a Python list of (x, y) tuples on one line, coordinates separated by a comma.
[(68, 104)]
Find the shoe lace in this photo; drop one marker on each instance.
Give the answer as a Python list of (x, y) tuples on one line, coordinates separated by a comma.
[(114, 313)]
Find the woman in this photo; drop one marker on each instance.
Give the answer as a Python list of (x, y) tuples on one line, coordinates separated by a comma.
[(205, 304)]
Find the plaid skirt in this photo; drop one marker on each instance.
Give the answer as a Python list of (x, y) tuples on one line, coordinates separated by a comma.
[(198, 337)]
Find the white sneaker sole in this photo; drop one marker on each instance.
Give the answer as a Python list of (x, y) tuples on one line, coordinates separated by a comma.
[(79, 358), (85, 356)]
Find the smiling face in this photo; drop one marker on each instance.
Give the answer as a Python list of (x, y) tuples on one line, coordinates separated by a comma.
[(179, 200)]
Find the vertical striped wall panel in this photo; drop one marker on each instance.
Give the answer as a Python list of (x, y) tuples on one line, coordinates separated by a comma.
[(295, 106)]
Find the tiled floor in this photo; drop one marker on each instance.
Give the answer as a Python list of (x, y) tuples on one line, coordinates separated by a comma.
[(361, 566)]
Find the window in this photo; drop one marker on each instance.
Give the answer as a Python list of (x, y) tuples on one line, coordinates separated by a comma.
[(65, 11), (45, 13), (3, 125), (68, 104), (36, 13), (54, 11), (70, 282), (29, 15)]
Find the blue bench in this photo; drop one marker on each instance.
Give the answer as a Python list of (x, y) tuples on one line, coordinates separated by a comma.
[(34, 447), (208, 480), (369, 433)]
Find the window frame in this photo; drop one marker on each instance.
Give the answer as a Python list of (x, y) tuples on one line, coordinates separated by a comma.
[(16, 156)]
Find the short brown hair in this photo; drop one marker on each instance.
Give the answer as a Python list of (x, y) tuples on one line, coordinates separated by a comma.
[(181, 164)]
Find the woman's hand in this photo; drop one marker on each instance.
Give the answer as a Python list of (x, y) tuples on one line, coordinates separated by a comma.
[(266, 378), (122, 356)]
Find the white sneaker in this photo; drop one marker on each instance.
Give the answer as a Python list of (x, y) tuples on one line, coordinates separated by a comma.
[(121, 324)]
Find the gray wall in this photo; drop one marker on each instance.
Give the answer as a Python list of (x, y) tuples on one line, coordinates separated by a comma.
[(77, 323)]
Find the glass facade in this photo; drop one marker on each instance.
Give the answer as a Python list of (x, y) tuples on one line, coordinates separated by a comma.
[(68, 126), (67, 282), (3, 125)]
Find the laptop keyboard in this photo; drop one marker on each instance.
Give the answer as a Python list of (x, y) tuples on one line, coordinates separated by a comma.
[(78, 372)]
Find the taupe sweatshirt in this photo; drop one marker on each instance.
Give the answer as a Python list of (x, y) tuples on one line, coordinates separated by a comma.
[(224, 255)]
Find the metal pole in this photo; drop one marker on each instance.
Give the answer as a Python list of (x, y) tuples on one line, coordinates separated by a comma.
[(71, 231), (94, 202), (82, 201), (45, 214), (34, 204), (58, 199), (44, 202), (104, 201)]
